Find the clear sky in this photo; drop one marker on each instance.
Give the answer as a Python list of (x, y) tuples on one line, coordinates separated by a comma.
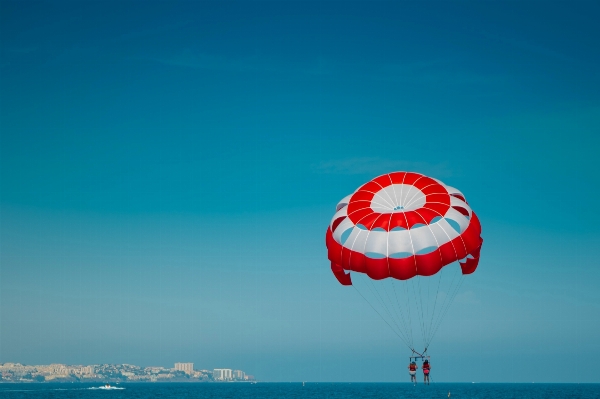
[(168, 171)]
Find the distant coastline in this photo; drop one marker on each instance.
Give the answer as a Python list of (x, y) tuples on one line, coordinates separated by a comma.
[(116, 373)]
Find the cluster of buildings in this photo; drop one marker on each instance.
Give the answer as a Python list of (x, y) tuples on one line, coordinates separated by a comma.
[(182, 372), (231, 375)]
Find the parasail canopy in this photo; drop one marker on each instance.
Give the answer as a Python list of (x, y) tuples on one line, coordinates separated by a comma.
[(401, 225), (398, 226)]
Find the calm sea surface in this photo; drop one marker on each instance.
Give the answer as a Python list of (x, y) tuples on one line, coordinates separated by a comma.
[(296, 390)]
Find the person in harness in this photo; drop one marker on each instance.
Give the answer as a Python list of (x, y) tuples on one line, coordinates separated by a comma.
[(412, 370), (426, 370)]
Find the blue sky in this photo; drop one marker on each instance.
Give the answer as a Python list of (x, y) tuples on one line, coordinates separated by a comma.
[(168, 171)]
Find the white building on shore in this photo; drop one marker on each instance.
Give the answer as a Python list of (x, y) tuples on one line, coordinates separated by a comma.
[(222, 374)]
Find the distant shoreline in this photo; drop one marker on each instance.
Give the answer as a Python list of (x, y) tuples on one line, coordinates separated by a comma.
[(291, 382), (129, 382)]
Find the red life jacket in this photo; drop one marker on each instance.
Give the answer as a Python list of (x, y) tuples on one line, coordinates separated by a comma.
[(413, 367)]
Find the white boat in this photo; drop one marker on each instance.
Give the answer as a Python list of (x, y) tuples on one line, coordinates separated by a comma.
[(107, 386)]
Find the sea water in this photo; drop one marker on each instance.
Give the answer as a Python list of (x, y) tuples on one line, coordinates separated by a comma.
[(297, 390)]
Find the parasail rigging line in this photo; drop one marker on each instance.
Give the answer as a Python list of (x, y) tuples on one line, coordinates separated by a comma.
[(450, 289), (409, 308), (462, 279), (409, 329), (396, 309), (383, 304), (437, 291), (419, 306), (382, 318)]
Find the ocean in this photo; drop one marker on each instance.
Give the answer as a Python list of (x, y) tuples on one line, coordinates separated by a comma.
[(296, 390)]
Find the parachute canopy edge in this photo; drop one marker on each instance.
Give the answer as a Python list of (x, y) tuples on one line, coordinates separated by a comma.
[(339, 273), (469, 265)]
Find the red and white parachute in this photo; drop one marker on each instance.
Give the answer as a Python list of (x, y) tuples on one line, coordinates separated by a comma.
[(398, 226)]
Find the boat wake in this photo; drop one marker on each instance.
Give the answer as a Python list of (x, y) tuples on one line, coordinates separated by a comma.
[(106, 387)]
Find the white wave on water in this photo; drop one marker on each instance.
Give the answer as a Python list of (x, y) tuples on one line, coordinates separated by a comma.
[(111, 387)]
